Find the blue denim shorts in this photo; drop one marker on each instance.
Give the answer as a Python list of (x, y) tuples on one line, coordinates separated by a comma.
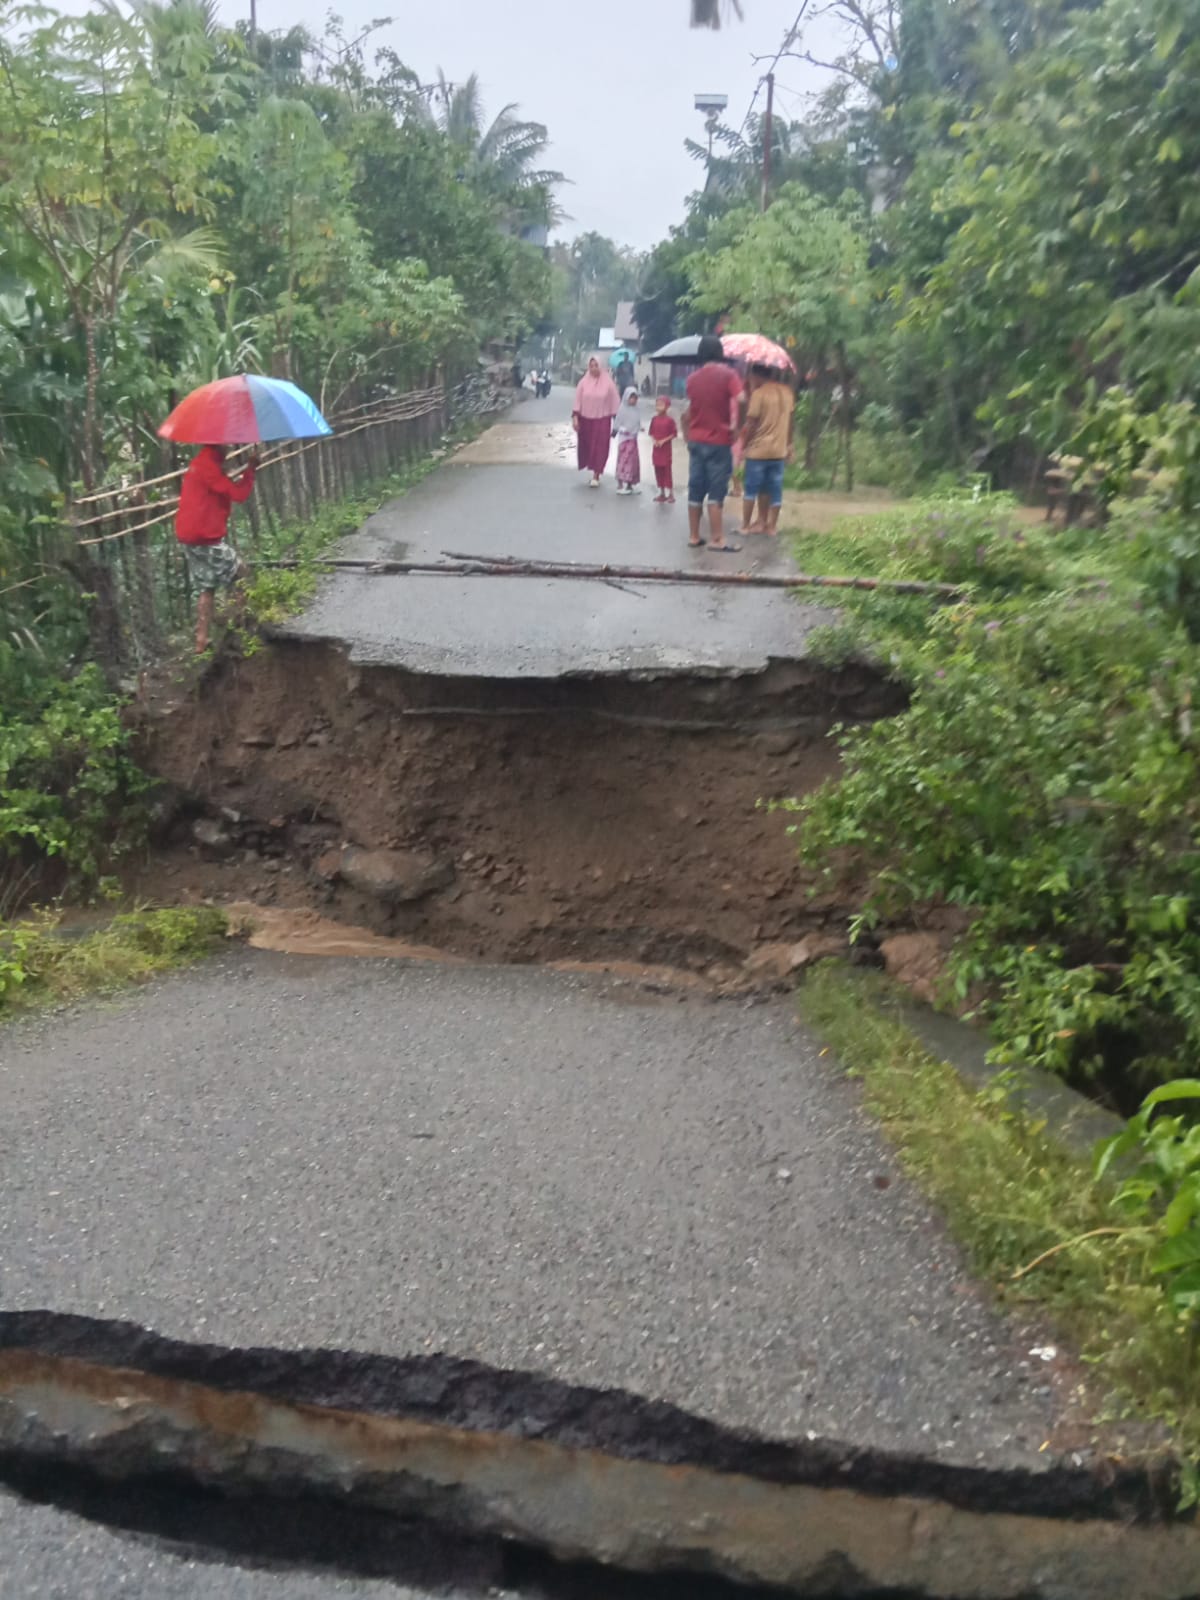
[(709, 473), (765, 477)]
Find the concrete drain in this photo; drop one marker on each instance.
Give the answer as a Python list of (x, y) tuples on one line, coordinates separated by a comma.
[(440, 1449)]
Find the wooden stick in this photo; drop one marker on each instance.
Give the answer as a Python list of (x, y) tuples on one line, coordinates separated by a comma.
[(460, 566), (131, 489), (1069, 1244), (416, 404)]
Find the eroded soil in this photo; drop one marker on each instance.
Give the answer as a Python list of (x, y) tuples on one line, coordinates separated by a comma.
[(586, 819)]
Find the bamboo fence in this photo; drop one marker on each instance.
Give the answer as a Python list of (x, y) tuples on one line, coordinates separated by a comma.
[(126, 553)]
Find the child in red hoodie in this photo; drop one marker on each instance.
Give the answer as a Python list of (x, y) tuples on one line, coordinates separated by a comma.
[(662, 432)]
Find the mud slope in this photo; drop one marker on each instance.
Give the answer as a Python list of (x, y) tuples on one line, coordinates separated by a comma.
[(581, 818)]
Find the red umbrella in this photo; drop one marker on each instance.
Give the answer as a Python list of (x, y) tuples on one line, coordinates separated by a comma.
[(247, 409), (757, 351)]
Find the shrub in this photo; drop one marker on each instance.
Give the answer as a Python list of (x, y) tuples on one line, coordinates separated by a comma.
[(1045, 779), (67, 783)]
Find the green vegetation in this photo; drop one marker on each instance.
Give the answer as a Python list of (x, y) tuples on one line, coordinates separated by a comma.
[(590, 276), (180, 202), (68, 789), (1047, 1228), (41, 964), (1043, 780), (983, 227)]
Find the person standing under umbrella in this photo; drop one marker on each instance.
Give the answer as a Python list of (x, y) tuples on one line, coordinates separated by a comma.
[(766, 441), (596, 404), (709, 424), (206, 498)]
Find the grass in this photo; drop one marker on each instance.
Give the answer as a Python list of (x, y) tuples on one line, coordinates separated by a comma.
[(42, 965), (1010, 1193), (878, 542)]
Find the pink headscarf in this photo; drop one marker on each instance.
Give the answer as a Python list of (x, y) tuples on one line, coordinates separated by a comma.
[(596, 396)]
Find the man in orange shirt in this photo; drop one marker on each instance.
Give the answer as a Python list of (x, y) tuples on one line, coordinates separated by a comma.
[(206, 498)]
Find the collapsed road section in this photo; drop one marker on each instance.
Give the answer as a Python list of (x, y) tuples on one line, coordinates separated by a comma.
[(577, 1474), (581, 817)]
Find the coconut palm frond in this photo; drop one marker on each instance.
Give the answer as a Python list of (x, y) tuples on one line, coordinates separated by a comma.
[(178, 255), (709, 13), (462, 110)]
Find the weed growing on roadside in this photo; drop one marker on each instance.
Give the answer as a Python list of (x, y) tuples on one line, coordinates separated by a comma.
[(68, 788), (1035, 1220), (1044, 779), (39, 963)]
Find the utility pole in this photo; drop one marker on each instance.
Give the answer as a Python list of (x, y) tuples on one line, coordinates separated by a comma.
[(768, 122), (253, 26)]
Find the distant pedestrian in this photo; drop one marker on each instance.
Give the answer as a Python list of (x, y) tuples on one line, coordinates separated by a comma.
[(709, 424), (206, 498), (663, 431), (626, 426), (766, 442), (625, 374), (596, 404)]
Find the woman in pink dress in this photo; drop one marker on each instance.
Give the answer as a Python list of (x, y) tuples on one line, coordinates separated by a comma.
[(596, 404)]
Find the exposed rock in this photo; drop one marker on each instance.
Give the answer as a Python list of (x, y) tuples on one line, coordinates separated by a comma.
[(770, 961), (816, 947), (779, 961), (394, 876), (165, 812), (213, 837), (328, 865), (916, 960)]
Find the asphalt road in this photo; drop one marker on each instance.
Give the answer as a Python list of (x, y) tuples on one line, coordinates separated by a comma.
[(516, 492), (536, 1169)]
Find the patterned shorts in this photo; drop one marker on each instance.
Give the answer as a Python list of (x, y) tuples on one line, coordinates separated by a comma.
[(211, 566)]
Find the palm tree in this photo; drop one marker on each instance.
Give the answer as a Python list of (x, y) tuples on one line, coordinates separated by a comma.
[(497, 159)]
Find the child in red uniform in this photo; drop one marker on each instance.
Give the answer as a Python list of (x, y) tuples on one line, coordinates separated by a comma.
[(662, 430)]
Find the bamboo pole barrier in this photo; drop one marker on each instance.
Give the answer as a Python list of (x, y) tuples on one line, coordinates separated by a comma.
[(461, 566), (416, 404), (268, 461)]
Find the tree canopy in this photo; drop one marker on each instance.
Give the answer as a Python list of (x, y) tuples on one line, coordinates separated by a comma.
[(179, 202), (1027, 215)]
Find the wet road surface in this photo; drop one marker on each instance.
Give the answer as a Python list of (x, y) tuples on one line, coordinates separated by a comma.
[(516, 492), (532, 1168)]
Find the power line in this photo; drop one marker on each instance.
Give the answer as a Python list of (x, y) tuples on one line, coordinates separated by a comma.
[(787, 39)]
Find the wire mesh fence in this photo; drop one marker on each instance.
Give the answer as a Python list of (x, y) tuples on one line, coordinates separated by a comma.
[(124, 533)]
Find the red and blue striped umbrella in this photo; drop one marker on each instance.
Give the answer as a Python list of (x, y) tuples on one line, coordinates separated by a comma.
[(244, 410)]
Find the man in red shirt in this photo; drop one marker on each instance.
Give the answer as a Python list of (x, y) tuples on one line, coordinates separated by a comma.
[(709, 425), (206, 497)]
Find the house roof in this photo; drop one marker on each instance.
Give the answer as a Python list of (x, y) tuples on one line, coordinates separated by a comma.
[(626, 324), (608, 339)]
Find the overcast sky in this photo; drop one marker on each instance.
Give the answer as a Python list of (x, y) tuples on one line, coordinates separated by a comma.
[(613, 84)]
